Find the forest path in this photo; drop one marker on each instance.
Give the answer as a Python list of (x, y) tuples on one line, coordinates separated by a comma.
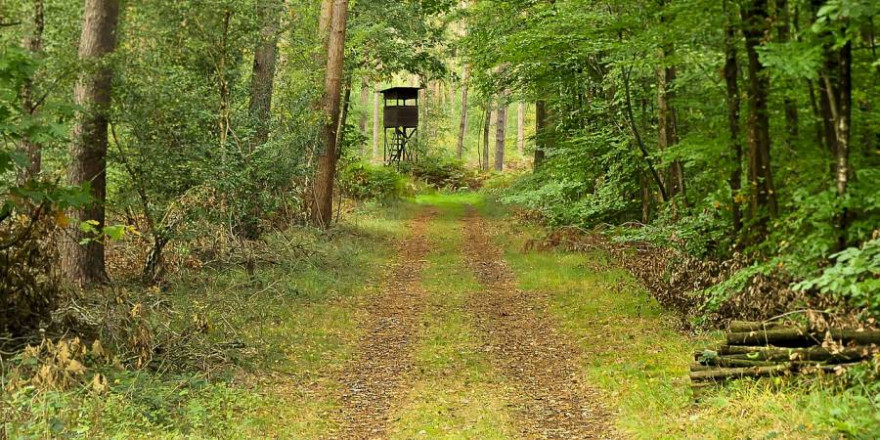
[(453, 349), (553, 402), (372, 379)]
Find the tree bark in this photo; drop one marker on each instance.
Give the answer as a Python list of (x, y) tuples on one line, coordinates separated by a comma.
[(34, 44), (501, 131), (541, 126), (763, 201), (322, 206), (83, 264), (521, 128), (486, 128), (263, 77), (364, 102), (791, 109), (376, 130), (731, 77), (462, 130)]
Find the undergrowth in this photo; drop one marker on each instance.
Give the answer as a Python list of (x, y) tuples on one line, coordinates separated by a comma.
[(261, 336)]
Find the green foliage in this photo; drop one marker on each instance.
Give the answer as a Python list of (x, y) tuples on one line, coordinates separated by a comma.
[(371, 182), (441, 172), (853, 277)]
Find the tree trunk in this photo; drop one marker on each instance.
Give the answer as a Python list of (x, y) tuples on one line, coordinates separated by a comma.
[(34, 44), (462, 131), (376, 130), (263, 78), (83, 264), (841, 108), (521, 128), (541, 126), (731, 77), (322, 207), (763, 201), (364, 102), (791, 109), (486, 128), (501, 131)]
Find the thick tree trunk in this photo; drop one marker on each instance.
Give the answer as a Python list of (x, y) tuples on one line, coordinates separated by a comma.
[(668, 135), (263, 78), (541, 126), (34, 44), (731, 77), (501, 131), (462, 127), (322, 206), (763, 201), (521, 128), (84, 264)]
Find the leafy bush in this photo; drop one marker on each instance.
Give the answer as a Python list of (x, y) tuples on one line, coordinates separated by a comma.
[(854, 277), (362, 181), (444, 173)]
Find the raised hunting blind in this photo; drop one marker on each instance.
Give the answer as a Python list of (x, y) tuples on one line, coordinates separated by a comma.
[(402, 121)]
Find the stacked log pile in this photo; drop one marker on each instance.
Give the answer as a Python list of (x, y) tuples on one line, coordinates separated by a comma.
[(757, 349)]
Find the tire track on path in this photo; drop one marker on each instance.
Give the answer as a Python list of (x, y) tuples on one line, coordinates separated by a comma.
[(552, 401), (373, 380)]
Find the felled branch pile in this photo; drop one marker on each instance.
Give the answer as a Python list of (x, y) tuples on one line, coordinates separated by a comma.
[(757, 349)]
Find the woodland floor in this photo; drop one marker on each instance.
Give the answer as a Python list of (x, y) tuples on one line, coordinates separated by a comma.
[(432, 320)]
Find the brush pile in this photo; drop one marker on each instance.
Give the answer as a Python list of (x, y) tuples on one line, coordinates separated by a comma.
[(756, 349)]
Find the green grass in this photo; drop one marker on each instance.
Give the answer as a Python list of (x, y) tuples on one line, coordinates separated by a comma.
[(455, 394), (297, 319), (633, 351)]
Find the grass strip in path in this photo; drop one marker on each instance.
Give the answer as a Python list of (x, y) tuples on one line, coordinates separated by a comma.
[(455, 392), (554, 402)]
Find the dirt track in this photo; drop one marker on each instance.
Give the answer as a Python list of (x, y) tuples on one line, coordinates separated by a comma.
[(553, 403), (373, 379)]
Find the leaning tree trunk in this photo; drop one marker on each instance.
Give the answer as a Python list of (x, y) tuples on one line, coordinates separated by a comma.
[(322, 204), (501, 131), (462, 127), (34, 44), (83, 264), (763, 202)]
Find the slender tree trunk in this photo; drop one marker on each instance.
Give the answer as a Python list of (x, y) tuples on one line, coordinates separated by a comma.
[(791, 109), (364, 103), (501, 131), (521, 128), (322, 208), (343, 117), (84, 264), (841, 107), (263, 78), (376, 130), (462, 127), (34, 44), (486, 128), (541, 126), (755, 28), (731, 76)]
